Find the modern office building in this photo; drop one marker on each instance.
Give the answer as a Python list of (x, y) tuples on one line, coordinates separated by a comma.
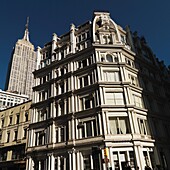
[(8, 99), (22, 64), (14, 123), (100, 101)]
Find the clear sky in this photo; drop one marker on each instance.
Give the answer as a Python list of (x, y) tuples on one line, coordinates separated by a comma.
[(148, 17)]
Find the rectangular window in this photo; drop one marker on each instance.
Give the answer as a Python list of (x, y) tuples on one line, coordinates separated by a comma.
[(62, 87), (116, 160), (87, 128), (111, 76), (86, 160), (14, 155), (39, 138), (3, 156), (2, 123), (10, 120), (17, 119), (61, 134), (8, 136), (138, 101), (123, 159), (87, 102), (143, 126), (61, 104), (25, 133), (15, 135), (85, 80), (114, 98), (119, 125), (26, 116)]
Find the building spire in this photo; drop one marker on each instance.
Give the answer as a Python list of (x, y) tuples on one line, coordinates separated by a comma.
[(26, 34)]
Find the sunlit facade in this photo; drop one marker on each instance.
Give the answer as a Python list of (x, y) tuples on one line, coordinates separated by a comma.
[(8, 99), (14, 122), (22, 64), (89, 106)]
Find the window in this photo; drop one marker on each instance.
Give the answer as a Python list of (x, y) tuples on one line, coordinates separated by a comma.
[(26, 116), (143, 127), (61, 134), (10, 120), (87, 102), (17, 119), (39, 138), (86, 161), (84, 62), (114, 98), (62, 54), (138, 101), (119, 125), (116, 160), (123, 39), (132, 158), (109, 58), (62, 87), (42, 115), (44, 95), (61, 104), (8, 136), (62, 71), (61, 163), (15, 135), (85, 80), (2, 122), (3, 155), (146, 156), (25, 133), (133, 80), (111, 76), (123, 159), (87, 128)]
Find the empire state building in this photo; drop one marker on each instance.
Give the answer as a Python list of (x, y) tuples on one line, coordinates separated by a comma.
[(23, 62)]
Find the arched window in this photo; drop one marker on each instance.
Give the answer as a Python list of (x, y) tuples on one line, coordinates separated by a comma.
[(109, 58)]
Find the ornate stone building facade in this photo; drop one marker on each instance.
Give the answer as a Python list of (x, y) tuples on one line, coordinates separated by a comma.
[(14, 123), (22, 64), (90, 104)]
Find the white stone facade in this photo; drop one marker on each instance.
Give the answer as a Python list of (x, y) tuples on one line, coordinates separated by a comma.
[(8, 99), (88, 106)]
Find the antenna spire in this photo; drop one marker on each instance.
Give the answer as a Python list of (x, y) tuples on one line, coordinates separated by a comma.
[(26, 26), (26, 34)]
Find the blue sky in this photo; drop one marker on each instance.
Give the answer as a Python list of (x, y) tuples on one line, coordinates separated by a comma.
[(148, 17)]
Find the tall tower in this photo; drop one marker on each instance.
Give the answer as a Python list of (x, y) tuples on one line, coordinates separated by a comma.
[(23, 62)]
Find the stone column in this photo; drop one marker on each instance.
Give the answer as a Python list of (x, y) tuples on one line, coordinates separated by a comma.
[(72, 38), (29, 163)]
